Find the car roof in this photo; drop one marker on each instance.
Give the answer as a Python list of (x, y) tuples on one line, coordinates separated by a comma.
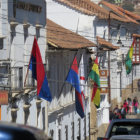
[(12, 129), (120, 122), (125, 137), (125, 120)]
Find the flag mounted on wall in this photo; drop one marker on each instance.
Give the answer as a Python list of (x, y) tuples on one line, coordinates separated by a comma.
[(129, 56), (94, 75), (38, 73), (74, 80)]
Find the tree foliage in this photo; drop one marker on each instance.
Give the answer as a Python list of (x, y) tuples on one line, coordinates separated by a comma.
[(111, 1), (128, 6)]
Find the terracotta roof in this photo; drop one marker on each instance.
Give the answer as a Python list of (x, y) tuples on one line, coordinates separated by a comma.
[(130, 14), (116, 9), (90, 8), (136, 35), (62, 38), (105, 45)]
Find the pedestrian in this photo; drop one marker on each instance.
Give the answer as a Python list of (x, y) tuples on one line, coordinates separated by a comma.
[(135, 105), (138, 84), (128, 103), (117, 115), (125, 105), (111, 115), (116, 109), (123, 112), (130, 106)]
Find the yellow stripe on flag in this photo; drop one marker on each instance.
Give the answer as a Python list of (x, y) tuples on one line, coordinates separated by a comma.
[(95, 68), (131, 52), (96, 99)]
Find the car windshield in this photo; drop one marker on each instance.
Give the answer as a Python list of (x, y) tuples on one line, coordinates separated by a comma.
[(125, 128)]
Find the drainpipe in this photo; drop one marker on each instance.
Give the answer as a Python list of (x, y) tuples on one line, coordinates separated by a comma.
[(109, 96), (132, 81)]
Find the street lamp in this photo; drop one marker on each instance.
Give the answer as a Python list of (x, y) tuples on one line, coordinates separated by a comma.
[(109, 59)]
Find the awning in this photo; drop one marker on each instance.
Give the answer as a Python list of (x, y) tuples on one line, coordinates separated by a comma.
[(136, 35), (105, 45)]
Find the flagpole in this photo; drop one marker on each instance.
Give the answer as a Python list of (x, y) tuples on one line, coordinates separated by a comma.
[(26, 76), (28, 66)]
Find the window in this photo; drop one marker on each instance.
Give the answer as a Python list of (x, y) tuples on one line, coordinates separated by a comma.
[(4, 74), (43, 117), (136, 52), (1, 43), (59, 134), (79, 137), (66, 132), (85, 127), (72, 127), (26, 115), (102, 96), (17, 78), (89, 123), (51, 133)]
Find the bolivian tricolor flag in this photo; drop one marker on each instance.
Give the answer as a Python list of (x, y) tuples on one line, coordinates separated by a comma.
[(128, 60), (94, 75)]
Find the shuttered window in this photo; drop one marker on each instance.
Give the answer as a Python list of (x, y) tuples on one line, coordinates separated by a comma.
[(136, 52), (1, 43)]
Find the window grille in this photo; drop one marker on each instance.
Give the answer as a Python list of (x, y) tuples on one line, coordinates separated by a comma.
[(17, 78), (59, 134), (66, 132), (72, 127)]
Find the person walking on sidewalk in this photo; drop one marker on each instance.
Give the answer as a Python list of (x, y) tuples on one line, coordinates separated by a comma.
[(135, 104)]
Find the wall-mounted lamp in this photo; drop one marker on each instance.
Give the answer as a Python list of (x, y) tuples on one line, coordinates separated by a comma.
[(119, 41)]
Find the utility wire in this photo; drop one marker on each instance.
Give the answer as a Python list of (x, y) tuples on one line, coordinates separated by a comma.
[(68, 33)]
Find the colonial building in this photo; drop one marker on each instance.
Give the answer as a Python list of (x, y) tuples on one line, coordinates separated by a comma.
[(111, 23), (63, 45), (124, 38), (20, 22)]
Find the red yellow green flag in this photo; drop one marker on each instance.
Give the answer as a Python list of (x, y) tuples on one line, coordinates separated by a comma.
[(128, 60), (94, 75)]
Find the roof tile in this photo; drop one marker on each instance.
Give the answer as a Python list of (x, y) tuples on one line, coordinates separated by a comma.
[(119, 12), (136, 35), (64, 38), (105, 44), (90, 8)]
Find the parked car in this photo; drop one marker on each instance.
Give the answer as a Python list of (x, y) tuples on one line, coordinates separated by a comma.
[(124, 137), (122, 128), (12, 131)]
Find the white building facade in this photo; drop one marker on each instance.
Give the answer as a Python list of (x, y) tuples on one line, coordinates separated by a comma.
[(20, 22)]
